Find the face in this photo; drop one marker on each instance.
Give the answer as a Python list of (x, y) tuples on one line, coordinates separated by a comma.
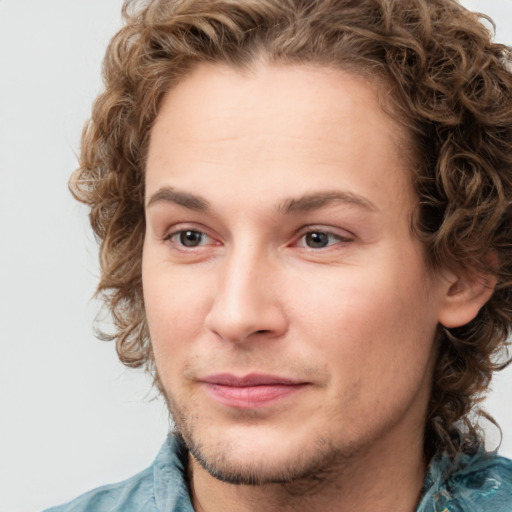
[(290, 311)]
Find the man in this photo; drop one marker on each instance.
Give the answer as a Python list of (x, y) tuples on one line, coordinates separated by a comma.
[(305, 225)]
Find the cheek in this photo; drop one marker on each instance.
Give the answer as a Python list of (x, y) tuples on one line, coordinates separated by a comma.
[(370, 328), (175, 309), (377, 350)]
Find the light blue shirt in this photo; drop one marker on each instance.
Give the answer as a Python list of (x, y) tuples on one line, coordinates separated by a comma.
[(478, 483)]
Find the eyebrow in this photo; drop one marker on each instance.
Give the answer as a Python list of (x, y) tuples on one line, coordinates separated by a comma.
[(304, 203), (318, 200), (170, 195)]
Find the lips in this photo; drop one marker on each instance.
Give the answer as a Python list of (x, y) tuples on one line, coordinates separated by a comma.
[(250, 391)]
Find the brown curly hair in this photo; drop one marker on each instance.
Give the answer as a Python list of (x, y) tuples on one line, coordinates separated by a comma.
[(449, 84)]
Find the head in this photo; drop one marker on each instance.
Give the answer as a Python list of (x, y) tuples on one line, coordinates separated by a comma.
[(436, 77)]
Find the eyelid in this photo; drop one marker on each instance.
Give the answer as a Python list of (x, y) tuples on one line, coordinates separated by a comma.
[(177, 229), (175, 234), (344, 237)]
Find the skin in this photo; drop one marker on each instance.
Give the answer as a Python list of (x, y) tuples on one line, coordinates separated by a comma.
[(278, 241)]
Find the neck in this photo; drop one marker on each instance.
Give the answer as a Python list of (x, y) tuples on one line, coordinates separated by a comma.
[(378, 480)]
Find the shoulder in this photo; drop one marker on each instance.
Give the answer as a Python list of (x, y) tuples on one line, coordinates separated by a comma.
[(160, 487), (136, 493), (478, 483)]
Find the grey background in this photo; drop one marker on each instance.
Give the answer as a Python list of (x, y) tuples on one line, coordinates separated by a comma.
[(72, 417)]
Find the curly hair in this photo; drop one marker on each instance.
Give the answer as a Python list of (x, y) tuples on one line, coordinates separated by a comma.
[(449, 84)]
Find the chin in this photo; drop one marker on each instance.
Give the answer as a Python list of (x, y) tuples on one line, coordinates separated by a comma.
[(261, 460), (252, 451)]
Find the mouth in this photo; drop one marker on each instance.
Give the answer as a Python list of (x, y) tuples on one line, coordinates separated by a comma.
[(250, 391)]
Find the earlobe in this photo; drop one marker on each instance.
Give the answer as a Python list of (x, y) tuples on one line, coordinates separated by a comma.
[(465, 294)]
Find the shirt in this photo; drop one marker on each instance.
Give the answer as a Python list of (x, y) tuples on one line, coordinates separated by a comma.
[(472, 483)]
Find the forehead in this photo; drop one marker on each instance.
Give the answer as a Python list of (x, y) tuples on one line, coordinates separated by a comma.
[(290, 123)]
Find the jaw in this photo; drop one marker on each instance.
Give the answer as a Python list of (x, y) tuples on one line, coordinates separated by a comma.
[(341, 482)]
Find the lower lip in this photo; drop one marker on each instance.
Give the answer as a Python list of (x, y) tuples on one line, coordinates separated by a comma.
[(251, 397)]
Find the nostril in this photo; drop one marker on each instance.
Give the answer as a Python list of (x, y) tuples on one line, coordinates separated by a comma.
[(263, 331)]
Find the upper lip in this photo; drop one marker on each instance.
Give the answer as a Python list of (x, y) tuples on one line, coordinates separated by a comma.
[(252, 379)]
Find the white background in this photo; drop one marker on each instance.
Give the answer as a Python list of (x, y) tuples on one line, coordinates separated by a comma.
[(71, 416)]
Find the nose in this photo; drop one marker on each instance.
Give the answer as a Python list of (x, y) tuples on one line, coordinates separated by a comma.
[(247, 304)]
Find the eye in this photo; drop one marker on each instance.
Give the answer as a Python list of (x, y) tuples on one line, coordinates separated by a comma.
[(189, 238), (320, 239)]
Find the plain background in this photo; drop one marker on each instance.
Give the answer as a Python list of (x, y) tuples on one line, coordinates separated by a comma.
[(72, 417)]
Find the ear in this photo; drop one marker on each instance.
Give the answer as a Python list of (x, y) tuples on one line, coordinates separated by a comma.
[(465, 293)]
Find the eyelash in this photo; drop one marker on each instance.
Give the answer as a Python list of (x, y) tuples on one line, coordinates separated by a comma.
[(323, 236), (179, 233), (330, 236)]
